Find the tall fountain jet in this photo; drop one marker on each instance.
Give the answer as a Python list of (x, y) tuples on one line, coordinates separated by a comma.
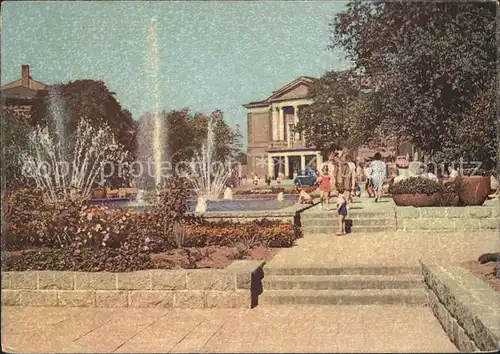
[(155, 85)]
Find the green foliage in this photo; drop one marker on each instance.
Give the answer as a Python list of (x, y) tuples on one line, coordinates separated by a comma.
[(185, 134), (433, 70), (80, 237), (416, 185), (15, 132), (337, 118), (87, 99)]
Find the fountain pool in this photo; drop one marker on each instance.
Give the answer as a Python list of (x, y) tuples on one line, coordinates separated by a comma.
[(264, 203)]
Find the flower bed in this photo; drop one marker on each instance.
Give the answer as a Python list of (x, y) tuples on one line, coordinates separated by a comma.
[(487, 272), (74, 236)]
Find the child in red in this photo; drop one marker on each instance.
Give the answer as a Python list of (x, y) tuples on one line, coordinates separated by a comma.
[(324, 188)]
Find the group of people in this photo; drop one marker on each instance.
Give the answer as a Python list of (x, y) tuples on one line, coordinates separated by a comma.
[(341, 174)]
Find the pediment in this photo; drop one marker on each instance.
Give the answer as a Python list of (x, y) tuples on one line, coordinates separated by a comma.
[(294, 90)]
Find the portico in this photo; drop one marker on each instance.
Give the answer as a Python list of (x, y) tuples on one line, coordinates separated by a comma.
[(290, 162)]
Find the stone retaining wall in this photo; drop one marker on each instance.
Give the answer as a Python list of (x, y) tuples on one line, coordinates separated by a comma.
[(236, 286), (467, 308), (447, 218)]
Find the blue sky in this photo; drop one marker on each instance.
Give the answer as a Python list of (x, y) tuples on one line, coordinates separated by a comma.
[(212, 54)]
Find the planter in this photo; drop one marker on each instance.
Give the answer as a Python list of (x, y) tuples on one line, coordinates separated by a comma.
[(416, 200), (473, 190)]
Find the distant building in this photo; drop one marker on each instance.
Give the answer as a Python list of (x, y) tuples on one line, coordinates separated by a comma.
[(274, 146), (21, 93)]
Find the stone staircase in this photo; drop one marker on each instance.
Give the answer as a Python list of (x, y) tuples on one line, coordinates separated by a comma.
[(317, 221), (355, 285)]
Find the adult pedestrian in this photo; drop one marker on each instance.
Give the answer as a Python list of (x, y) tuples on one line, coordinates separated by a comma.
[(378, 176), (344, 181)]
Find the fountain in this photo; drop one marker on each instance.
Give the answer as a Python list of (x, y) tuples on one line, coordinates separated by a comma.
[(63, 176), (281, 196), (201, 205), (228, 194), (155, 84), (206, 179)]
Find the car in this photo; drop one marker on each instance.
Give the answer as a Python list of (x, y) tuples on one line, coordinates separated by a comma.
[(402, 162), (307, 177)]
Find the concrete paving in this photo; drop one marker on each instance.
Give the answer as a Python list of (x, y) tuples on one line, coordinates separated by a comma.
[(389, 248), (388, 328)]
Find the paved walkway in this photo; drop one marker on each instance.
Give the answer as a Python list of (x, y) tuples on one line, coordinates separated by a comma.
[(388, 247), (403, 248), (280, 329)]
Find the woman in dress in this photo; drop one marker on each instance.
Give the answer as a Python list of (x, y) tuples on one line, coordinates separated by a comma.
[(379, 174)]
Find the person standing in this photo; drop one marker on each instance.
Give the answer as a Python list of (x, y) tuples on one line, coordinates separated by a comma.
[(342, 213), (352, 167), (324, 188), (369, 184), (378, 175), (344, 181)]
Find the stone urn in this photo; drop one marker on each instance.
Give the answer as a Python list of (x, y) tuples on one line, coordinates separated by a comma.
[(201, 205), (281, 196), (415, 200), (473, 190), (228, 193)]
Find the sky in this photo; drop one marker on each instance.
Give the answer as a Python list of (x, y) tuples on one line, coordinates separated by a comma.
[(211, 55)]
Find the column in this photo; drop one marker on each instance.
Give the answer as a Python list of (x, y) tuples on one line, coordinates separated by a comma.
[(319, 161), (281, 123), (296, 120), (275, 123), (270, 166), (302, 162), (287, 167)]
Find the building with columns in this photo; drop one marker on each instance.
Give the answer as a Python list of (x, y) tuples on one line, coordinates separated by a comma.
[(273, 144)]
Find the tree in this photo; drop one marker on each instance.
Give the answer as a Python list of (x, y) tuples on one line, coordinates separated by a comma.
[(227, 140), (15, 132), (337, 118), (433, 65), (183, 133), (86, 99)]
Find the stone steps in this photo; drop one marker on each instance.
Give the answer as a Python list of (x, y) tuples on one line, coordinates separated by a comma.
[(329, 214), (356, 222), (344, 297), (342, 282), (343, 285), (343, 270), (333, 228)]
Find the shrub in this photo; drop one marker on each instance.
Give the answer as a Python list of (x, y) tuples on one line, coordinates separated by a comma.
[(35, 222), (447, 196), (85, 260), (416, 185)]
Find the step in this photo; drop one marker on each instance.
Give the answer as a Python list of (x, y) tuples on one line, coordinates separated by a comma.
[(342, 270), (333, 229), (342, 282), (356, 222), (344, 297), (329, 214)]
